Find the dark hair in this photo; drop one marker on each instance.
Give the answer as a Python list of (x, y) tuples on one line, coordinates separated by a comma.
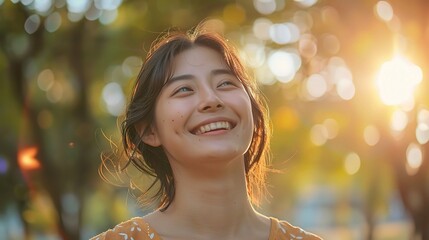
[(156, 69)]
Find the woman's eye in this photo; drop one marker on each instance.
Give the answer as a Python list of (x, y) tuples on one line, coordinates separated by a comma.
[(183, 90), (226, 83)]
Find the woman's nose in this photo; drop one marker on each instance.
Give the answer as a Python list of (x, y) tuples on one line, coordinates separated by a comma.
[(210, 101)]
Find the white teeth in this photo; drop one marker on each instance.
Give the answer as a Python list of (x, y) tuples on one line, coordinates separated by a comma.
[(213, 126)]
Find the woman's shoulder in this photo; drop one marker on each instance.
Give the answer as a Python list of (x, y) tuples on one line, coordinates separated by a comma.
[(135, 228), (284, 230)]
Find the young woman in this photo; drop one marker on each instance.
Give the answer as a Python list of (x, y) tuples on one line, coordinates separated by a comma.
[(196, 123)]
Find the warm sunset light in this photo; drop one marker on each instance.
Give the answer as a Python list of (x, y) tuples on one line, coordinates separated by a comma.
[(27, 159), (397, 80)]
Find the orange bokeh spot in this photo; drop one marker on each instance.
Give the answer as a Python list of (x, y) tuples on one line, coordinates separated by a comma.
[(27, 159)]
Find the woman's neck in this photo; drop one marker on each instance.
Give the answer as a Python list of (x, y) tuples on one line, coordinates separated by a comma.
[(215, 205)]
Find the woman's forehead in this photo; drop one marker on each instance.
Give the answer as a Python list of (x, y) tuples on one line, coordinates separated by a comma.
[(196, 58)]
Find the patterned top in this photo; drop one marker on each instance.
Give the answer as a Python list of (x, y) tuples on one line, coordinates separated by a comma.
[(137, 229)]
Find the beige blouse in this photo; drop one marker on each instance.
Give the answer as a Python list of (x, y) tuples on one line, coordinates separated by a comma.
[(137, 229)]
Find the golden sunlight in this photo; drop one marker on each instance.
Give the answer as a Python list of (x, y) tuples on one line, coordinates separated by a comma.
[(27, 159), (397, 81)]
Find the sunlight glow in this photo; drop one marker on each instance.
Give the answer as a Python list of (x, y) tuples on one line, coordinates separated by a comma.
[(397, 80)]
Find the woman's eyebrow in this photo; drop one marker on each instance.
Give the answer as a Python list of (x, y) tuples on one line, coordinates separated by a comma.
[(221, 71), (214, 72)]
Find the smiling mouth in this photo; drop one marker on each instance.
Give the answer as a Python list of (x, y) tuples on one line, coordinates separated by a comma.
[(215, 126)]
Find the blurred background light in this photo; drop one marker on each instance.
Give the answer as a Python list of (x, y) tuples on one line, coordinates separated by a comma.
[(254, 54), (303, 20), (26, 2), (131, 66), (4, 165), (78, 6), (330, 44), (345, 88), (422, 130), (93, 13), (319, 134), (27, 159), (422, 133), (316, 85), (371, 135), (114, 98), (55, 93), (306, 3), (384, 11), (399, 120), (284, 64), (332, 127), (414, 158), (284, 33), (307, 46), (42, 6), (107, 4), (32, 24), (108, 16), (53, 22), (264, 75), (397, 80), (75, 17), (45, 79), (265, 7), (352, 163), (261, 28)]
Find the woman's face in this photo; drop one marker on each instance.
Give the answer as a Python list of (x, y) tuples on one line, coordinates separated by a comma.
[(203, 114)]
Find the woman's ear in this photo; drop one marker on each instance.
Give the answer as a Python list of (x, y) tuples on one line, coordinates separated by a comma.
[(148, 135)]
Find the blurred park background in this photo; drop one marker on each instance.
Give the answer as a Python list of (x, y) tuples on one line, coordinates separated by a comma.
[(346, 81)]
